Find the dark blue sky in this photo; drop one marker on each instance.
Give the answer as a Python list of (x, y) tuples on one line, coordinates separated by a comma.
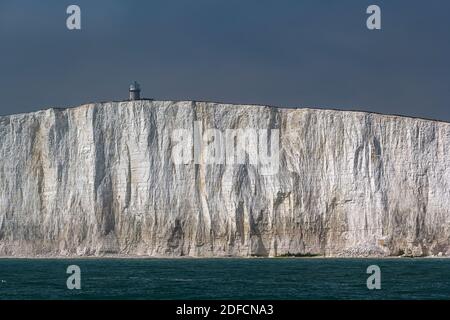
[(286, 53)]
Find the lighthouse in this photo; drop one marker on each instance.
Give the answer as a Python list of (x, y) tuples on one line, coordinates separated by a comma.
[(135, 91)]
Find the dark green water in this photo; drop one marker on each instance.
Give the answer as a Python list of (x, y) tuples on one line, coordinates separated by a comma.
[(295, 278)]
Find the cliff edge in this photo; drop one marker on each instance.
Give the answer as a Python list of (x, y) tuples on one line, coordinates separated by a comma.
[(127, 178)]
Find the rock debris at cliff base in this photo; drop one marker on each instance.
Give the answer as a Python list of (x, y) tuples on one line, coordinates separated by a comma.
[(99, 179)]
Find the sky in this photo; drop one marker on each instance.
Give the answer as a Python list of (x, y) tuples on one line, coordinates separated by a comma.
[(290, 53)]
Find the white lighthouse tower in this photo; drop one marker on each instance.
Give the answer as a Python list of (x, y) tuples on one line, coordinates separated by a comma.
[(135, 91)]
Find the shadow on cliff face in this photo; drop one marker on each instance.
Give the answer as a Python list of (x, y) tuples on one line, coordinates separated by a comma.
[(175, 241)]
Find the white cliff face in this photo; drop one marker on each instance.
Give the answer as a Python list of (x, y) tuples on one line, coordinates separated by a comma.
[(101, 179)]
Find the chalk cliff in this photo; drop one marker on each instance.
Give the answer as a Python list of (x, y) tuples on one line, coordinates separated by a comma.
[(100, 179)]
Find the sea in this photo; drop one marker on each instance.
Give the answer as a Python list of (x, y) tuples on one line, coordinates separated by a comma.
[(225, 278)]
